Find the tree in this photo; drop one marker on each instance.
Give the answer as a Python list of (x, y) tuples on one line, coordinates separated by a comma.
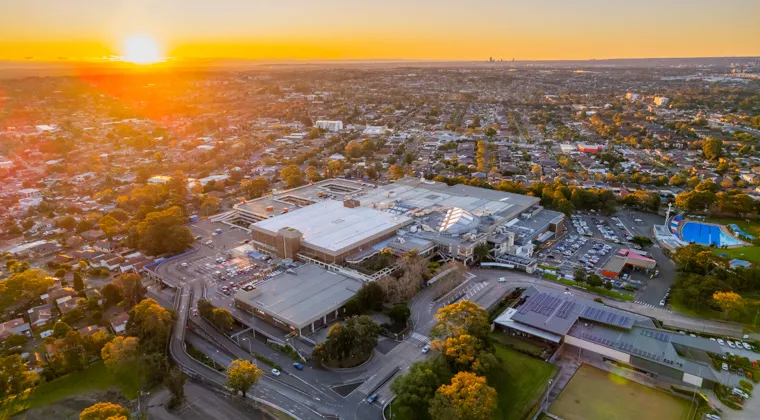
[(121, 354), (131, 288), (14, 376), (60, 329), (482, 252), (104, 411), (150, 323), (255, 187), (729, 302), (642, 241), (210, 205), (712, 148), (396, 172), (66, 223), (594, 280), (348, 343), (222, 318), (399, 313), (469, 396), (23, 286), (401, 289), (292, 176), (78, 282), (370, 296), (460, 350), (112, 293), (95, 342), (579, 275), (312, 174), (163, 232), (334, 167), (175, 383), (60, 273), (415, 389), (463, 317), (242, 375), (110, 226)]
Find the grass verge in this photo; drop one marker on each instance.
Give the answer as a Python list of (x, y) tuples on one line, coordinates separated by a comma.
[(96, 377), (522, 383)]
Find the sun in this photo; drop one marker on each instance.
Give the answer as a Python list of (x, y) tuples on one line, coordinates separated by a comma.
[(141, 49)]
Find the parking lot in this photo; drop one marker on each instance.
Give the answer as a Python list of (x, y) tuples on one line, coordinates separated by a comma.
[(592, 239)]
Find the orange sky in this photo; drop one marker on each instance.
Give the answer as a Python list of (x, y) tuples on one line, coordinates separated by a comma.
[(409, 29)]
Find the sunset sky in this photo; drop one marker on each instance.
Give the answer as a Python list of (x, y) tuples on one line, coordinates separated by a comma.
[(389, 29)]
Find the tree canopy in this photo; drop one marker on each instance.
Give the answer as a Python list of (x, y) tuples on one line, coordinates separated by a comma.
[(242, 375)]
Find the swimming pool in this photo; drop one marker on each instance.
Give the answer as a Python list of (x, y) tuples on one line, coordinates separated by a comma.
[(704, 234)]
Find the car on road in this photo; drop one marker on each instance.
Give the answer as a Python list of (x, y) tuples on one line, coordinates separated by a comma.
[(721, 342), (372, 398), (195, 312), (183, 265), (502, 280), (275, 372), (298, 366), (426, 349)]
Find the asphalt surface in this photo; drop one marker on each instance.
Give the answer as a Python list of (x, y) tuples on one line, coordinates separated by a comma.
[(303, 394)]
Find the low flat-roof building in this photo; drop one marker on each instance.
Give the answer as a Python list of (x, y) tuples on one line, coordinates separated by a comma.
[(301, 299), (626, 257), (628, 340)]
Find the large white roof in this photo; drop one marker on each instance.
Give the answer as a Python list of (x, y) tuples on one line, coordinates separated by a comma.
[(333, 227)]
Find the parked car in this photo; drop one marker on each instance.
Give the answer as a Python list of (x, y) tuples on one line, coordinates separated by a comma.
[(502, 280), (426, 349), (739, 393), (724, 366), (730, 344), (275, 372), (183, 265), (747, 346)]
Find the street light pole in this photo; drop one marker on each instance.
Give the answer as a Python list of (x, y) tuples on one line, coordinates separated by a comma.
[(213, 360), (546, 397), (249, 344)]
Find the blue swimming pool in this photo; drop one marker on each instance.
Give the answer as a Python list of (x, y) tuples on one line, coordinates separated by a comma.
[(703, 234)]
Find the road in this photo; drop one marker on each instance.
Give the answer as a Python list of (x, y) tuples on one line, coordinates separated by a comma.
[(303, 394)]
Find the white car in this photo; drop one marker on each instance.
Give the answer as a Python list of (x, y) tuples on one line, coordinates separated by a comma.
[(426, 349), (721, 342), (730, 344), (183, 265), (724, 366), (275, 372), (746, 346), (502, 280)]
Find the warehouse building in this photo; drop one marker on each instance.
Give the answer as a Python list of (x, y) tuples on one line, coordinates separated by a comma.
[(626, 340)]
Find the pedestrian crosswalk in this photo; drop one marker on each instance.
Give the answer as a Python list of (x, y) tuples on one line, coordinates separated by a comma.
[(420, 337), (649, 305)]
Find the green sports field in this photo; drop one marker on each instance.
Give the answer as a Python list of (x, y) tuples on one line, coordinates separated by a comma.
[(593, 394)]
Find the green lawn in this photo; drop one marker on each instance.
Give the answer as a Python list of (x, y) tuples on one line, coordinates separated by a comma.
[(596, 394), (521, 385), (751, 227), (95, 378), (746, 253)]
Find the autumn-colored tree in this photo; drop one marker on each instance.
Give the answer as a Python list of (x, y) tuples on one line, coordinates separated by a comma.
[(730, 302), (131, 288), (335, 167), (110, 226), (469, 396), (396, 172), (242, 374), (463, 317), (104, 411), (312, 174), (222, 318), (150, 323), (292, 176), (460, 350), (121, 354)]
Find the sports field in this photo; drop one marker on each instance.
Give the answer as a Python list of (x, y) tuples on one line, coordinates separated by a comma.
[(595, 394)]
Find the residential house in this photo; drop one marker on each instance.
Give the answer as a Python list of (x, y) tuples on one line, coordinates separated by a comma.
[(14, 326), (119, 323), (41, 315)]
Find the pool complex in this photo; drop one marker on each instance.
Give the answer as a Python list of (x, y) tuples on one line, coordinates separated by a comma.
[(705, 234)]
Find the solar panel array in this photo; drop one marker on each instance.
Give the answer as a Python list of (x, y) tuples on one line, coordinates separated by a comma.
[(656, 335), (611, 318), (646, 354), (546, 303)]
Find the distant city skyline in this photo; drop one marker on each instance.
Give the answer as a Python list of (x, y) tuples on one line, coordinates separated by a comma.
[(395, 29)]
